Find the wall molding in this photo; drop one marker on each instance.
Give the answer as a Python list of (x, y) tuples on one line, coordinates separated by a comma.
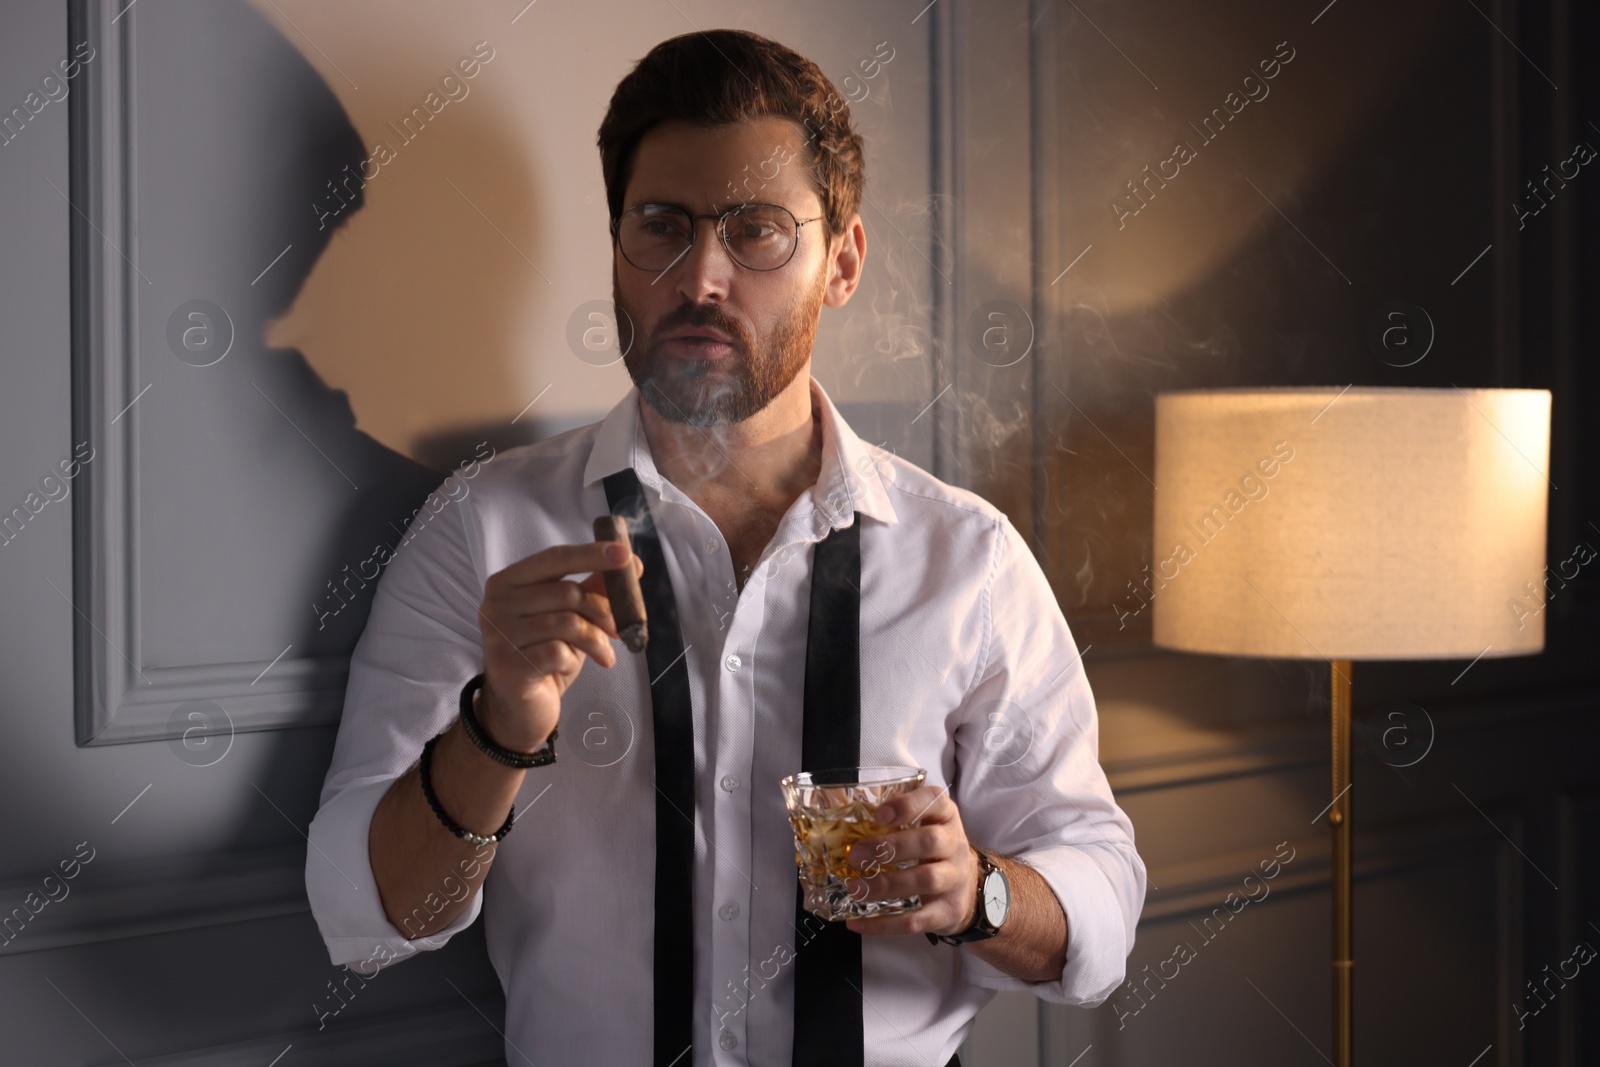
[(117, 697), (105, 903), (454, 1036), (1384, 851), (1473, 720), (1378, 851)]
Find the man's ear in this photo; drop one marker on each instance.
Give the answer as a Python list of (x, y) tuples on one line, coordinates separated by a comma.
[(847, 254)]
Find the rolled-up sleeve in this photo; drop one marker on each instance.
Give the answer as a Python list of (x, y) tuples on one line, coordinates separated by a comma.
[(420, 644), (344, 894), (1029, 782)]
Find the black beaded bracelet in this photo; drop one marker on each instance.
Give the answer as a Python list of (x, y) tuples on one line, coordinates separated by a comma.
[(438, 809), (545, 754)]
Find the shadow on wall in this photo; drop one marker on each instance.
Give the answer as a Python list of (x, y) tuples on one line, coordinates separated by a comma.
[(419, 309), (238, 462), (281, 171), (255, 487)]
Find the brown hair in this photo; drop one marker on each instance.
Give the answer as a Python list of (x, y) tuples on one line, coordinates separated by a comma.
[(720, 77)]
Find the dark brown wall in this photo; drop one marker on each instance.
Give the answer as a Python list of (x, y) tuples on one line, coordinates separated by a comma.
[(1388, 154)]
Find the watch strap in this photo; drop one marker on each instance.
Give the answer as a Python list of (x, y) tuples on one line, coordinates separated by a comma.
[(979, 929)]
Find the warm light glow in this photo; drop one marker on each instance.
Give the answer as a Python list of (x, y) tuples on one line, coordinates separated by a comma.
[(1363, 523)]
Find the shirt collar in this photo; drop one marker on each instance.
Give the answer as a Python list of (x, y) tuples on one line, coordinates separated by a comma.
[(852, 478)]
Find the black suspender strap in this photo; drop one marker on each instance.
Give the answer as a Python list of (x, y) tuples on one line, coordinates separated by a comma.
[(673, 716), (827, 981), (827, 1009)]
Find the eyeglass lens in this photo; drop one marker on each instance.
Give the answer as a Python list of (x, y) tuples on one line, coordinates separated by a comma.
[(759, 236)]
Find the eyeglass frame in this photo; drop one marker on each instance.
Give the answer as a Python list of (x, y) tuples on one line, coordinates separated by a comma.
[(722, 233)]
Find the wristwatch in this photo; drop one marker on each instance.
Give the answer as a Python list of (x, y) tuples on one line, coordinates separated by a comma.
[(994, 904)]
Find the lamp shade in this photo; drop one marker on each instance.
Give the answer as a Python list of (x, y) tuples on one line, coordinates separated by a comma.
[(1351, 523)]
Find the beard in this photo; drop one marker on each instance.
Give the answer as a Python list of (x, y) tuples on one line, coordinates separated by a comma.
[(717, 392)]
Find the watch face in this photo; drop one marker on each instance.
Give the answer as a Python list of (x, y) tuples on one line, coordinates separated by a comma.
[(996, 898)]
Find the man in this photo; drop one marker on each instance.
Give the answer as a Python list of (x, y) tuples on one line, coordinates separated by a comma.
[(810, 599)]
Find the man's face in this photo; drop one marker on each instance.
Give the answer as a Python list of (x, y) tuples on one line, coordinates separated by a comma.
[(768, 318)]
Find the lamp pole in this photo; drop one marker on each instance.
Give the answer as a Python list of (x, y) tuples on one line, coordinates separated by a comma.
[(1339, 819)]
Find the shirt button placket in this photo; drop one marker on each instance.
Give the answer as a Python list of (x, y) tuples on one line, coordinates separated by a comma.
[(731, 933)]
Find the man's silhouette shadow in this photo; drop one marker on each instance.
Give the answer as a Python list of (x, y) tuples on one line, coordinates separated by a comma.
[(260, 496)]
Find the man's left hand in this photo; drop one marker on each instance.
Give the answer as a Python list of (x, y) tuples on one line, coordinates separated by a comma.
[(945, 874)]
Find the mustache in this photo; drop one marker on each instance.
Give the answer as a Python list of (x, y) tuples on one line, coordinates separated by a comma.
[(710, 315)]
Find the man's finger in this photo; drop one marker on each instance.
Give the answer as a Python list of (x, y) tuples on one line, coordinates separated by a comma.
[(569, 626), (929, 842), (930, 916), (558, 561), (596, 582), (926, 880), (930, 804), (530, 602)]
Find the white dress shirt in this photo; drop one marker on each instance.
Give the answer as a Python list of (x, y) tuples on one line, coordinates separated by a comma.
[(967, 669)]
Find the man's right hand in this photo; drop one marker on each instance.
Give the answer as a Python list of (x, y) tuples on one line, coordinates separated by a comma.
[(538, 629)]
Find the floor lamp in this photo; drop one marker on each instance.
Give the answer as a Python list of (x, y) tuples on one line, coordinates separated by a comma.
[(1351, 523)]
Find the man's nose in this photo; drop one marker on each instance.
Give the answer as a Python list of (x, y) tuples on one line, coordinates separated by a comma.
[(706, 268)]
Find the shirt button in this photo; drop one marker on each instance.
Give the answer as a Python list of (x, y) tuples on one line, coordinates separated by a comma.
[(727, 1040), (733, 662), (711, 544), (730, 911), (730, 782)]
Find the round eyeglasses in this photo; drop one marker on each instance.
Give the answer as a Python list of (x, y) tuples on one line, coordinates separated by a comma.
[(656, 237)]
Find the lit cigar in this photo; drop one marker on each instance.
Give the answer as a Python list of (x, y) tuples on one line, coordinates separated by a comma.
[(622, 586)]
